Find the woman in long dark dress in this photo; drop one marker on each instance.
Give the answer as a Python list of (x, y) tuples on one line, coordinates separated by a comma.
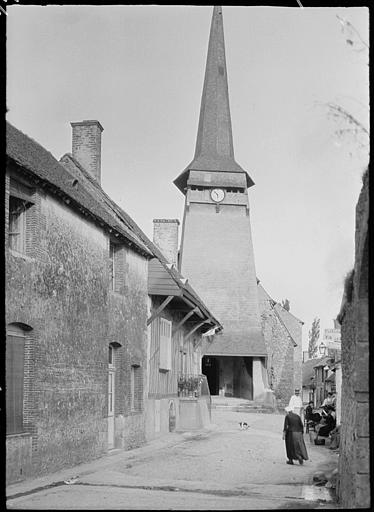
[(293, 434)]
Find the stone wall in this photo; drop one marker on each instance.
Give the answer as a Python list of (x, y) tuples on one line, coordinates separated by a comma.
[(60, 288), (354, 485), (280, 348)]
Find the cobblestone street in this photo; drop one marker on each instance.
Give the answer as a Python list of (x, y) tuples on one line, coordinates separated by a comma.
[(222, 467)]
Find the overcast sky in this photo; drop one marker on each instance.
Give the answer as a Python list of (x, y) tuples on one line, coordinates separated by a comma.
[(139, 70)]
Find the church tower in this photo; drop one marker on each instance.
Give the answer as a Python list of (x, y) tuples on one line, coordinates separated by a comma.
[(216, 247)]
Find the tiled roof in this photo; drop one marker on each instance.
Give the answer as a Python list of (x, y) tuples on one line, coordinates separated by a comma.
[(238, 344), (40, 163), (322, 361)]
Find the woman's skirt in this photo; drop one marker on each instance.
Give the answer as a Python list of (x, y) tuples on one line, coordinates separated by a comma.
[(295, 446)]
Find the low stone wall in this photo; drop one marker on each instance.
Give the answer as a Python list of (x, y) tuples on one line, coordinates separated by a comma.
[(193, 414)]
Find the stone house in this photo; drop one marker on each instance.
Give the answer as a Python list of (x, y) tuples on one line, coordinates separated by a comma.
[(354, 458), (283, 338), (76, 310)]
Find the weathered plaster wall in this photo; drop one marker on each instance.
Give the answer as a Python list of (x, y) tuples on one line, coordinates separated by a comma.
[(127, 317), (60, 288)]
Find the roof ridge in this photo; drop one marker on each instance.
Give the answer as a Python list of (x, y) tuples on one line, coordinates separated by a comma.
[(33, 158)]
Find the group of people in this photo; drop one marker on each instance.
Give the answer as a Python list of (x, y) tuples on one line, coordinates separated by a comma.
[(293, 429), (325, 421)]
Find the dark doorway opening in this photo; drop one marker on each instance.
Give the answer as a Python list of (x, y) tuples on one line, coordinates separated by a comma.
[(210, 368)]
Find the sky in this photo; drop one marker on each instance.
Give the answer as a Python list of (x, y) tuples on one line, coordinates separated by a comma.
[(139, 70)]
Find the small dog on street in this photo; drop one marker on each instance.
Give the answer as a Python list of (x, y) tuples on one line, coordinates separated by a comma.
[(243, 425)]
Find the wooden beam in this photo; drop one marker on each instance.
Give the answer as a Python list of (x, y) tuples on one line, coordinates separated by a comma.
[(158, 311), (192, 305), (184, 319), (196, 328)]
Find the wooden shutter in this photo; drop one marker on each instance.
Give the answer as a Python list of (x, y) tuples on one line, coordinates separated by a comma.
[(15, 354), (165, 344)]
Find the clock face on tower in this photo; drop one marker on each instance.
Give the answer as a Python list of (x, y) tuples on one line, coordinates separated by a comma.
[(217, 194)]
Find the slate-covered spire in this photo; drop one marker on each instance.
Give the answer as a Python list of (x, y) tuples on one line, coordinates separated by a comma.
[(214, 145)]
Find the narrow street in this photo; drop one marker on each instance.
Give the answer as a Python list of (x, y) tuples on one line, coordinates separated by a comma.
[(222, 467)]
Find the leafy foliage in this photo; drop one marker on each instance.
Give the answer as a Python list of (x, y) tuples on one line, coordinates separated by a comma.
[(313, 338)]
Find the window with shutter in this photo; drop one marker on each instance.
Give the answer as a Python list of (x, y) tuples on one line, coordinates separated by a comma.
[(17, 224), (15, 354), (165, 344)]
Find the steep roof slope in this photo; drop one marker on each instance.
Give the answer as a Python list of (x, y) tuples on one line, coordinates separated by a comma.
[(40, 163)]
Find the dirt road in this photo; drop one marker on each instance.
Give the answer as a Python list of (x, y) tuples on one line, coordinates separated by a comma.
[(222, 468)]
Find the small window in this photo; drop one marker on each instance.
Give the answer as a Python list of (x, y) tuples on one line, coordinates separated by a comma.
[(17, 224), (165, 344), (136, 387)]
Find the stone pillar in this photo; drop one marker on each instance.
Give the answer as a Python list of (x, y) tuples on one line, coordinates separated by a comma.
[(258, 383)]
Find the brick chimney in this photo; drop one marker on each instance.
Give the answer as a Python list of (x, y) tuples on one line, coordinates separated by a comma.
[(86, 146), (165, 236)]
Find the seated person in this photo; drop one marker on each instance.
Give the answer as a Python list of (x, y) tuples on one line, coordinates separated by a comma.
[(309, 411), (326, 425), (329, 400), (316, 417)]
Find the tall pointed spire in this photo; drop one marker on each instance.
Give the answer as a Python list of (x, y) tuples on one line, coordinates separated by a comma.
[(214, 145)]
